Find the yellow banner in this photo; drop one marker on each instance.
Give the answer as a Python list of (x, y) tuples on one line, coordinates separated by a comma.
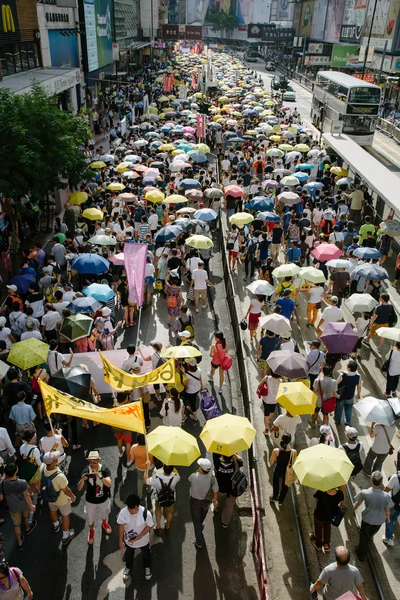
[(122, 381), (128, 416)]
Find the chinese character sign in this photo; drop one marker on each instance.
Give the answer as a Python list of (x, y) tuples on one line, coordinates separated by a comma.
[(201, 126)]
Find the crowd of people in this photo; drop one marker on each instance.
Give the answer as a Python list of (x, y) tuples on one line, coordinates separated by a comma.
[(297, 229)]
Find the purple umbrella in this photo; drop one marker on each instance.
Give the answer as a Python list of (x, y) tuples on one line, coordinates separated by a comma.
[(289, 364), (339, 338)]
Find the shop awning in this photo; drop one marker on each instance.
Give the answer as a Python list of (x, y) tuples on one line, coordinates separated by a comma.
[(52, 79)]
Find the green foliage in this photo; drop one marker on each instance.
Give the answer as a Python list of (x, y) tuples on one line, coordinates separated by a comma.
[(220, 19), (40, 144)]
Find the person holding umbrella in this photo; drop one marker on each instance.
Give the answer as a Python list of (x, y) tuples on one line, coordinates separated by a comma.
[(381, 318), (327, 509), (381, 446), (254, 313), (326, 389), (393, 371)]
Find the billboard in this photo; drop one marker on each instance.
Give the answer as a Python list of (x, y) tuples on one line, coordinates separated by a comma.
[(63, 50), (306, 18), (340, 55), (353, 22), (98, 33), (319, 19), (384, 26), (333, 23), (281, 10), (9, 24)]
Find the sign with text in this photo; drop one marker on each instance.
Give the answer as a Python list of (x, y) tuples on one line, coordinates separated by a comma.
[(98, 23), (201, 126), (181, 32), (353, 20)]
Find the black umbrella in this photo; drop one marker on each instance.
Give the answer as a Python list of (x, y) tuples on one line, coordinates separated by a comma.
[(72, 380)]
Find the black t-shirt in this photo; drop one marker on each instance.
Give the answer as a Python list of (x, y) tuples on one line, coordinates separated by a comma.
[(383, 312), (369, 243), (123, 290), (96, 491), (174, 262), (224, 472), (230, 202), (13, 388), (277, 235), (327, 505)]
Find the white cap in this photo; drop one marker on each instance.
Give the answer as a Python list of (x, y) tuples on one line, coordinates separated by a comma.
[(351, 432), (12, 287), (205, 464), (325, 429), (106, 311), (184, 334)]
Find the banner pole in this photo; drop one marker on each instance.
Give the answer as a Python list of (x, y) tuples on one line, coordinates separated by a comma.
[(138, 327)]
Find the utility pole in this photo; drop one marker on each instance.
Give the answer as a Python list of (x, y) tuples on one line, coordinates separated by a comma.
[(304, 53), (369, 39), (382, 61)]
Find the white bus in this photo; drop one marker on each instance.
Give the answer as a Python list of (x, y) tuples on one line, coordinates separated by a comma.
[(348, 102)]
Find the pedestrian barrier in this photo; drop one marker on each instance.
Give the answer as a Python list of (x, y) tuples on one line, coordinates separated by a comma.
[(257, 543)]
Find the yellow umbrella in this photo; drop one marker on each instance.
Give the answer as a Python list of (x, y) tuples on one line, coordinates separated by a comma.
[(153, 110), (77, 198), (285, 147), (122, 167), (322, 467), (93, 214), (302, 148), (275, 138), (267, 112), (251, 132), (159, 80), (201, 242), (297, 398), (177, 152), (166, 147), (339, 171), (155, 196), (173, 446), (175, 199), (228, 434), (269, 103), (97, 164), (241, 219), (116, 187), (182, 351), (202, 148), (28, 353)]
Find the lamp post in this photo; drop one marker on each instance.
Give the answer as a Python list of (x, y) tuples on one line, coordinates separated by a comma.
[(369, 39)]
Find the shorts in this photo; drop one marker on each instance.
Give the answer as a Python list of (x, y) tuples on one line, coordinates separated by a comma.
[(201, 294), (375, 327), (319, 409), (269, 409), (168, 510), (274, 248), (232, 253), (262, 364), (215, 366), (125, 437), (253, 321), (65, 509), (149, 288), (91, 511), (16, 517)]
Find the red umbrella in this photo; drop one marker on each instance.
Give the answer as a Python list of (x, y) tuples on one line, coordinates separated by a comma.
[(233, 190), (339, 338), (326, 252)]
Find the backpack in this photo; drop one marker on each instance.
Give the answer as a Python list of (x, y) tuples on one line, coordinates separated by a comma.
[(354, 455), (283, 288), (259, 168), (27, 466), (172, 302), (239, 482), (392, 321), (188, 327), (251, 248), (396, 497), (166, 496), (235, 160), (348, 238), (47, 491)]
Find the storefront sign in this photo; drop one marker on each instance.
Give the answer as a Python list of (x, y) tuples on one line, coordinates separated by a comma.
[(63, 82), (201, 126), (115, 51), (315, 48), (181, 32), (320, 61), (340, 54)]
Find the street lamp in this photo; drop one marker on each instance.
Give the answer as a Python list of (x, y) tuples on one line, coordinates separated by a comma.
[(369, 39)]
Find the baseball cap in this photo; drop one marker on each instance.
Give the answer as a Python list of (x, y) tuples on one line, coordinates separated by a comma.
[(106, 311), (135, 366), (184, 334), (93, 455), (314, 343), (205, 464), (325, 429), (50, 457), (286, 335), (12, 287), (191, 361), (351, 432), (3, 321), (334, 299)]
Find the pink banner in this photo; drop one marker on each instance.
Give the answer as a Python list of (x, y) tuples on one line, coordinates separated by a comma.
[(135, 256)]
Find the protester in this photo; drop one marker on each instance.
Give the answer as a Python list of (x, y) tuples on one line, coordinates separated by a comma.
[(135, 523), (163, 485), (281, 458), (339, 577), (203, 491)]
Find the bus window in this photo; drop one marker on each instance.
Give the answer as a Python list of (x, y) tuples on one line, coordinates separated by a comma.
[(358, 125), (365, 95)]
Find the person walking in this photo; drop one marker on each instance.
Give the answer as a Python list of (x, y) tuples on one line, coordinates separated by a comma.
[(173, 409), (348, 383), (15, 491), (315, 294), (339, 577), (135, 523), (218, 351), (376, 511), (393, 371), (281, 457), (139, 456), (163, 487), (203, 491), (12, 581), (393, 488), (225, 468), (193, 387), (326, 388), (382, 436), (267, 344), (381, 318), (253, 314), (98, 479), (328, 507), (23, 416), (315, 360), (199, 283), (267, 390)]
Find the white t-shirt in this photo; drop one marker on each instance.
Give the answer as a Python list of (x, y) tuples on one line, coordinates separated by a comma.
[(193, 263), (50, 320), (255, 306), (4, 333), (150, 270), (336, 236), (315, 295), (394, 365), (286, 425), (193, 381), (200, 277), (155, 482), (172, 418), (331, 314), (273, 386), (134, 525), (30, 334), (317, 216), (53, 444), (26, 448), (153, 221), (130, 361), (225, 164), (59, 306), (55, 361), (393, 484)]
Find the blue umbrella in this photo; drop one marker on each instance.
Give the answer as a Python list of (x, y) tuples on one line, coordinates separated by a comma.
[(149, 181), (367, 253), (261, 204), (371, 272), (22, 282), (84, 305), (189, 184), (301, 176), (167, 233), (99, 291), (250, 112), (90, 264), (152, 134), (185, 224), (314, 185), (198, 157), (205, 214), (185, 147), (269, 216), (155, 145), (305, 166), (344, 181)]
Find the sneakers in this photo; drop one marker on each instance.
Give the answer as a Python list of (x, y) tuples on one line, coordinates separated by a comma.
[(120, 454), (147, 574), (90, 537), (326, 548), (31, 528), (209, 375), (56, 529), (126, 574), (272, 499), (21, 547), (106, 526), (314, 542), (66, 540), (387, 541), (129, 463)]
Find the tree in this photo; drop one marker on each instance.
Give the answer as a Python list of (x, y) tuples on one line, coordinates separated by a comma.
[(221, 20), (41, 145)]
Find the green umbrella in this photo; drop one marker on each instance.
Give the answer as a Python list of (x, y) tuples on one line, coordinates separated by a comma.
[(76, 327)]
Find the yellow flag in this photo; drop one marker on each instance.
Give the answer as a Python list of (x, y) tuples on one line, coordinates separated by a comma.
[(128, 416), (122, 381)]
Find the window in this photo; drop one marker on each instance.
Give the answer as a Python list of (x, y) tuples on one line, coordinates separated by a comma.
[(365, 95), (19, 57), (358, 125)]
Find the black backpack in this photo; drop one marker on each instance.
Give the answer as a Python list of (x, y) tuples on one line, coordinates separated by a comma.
[(354, 456), (166, 496), (396, 497)]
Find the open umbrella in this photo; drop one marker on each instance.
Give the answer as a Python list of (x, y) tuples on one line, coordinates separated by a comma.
[(312, 274), (188, 184), (371, 272), (289, 270), (289, 198), (155, 196), (183, 351), (241, 219), (367, 253), (261, 287), (90, 264), (339, 338), (97, 164), (389, 333), (339, 263), (28, 353), (84, 305), (77, 198), (175, 199), (314, 185), (72, 380), (373, 410), (261, 204), (326, 252), (201, 242), (296, 398), (23, 282), (290, 180), (188, 210), (288, 364), (167, 233), (115, 186), (213, 193), (361, 303), (93, 214), (271, 217), (233, 190), (103, 240), (276, 323), (391, 228), (228, 434), (173, 446), (99, 291), (205, 214), (76, 327), (323, 467)]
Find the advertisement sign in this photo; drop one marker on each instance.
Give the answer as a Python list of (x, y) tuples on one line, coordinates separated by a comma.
[(384, 26), (59, 18), (314, 48), (98, 33), (9, 25), (354, 15), (333, 23), (182, 32), (115, 51), (340, 55), (281, 10), (201, 126), (63, 50), (306, 18), (319, 19), (317, 61)]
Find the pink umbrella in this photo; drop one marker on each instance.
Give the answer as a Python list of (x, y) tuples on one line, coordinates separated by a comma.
[(270, 183), (188, 129), (326, 252), (117, 259), (189, 135), (233, 190)]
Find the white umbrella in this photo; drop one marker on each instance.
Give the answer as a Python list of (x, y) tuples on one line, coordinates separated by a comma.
[(291, 156), (261, 287), (140, 143), (389, 333), (275, 323), (288, 198), (312, 274), (362, 303), (289, 270), (339, 263), (373, 410)]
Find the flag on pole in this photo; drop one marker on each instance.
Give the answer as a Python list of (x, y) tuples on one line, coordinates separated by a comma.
[(135, 256), (122, 381), (128, 416)]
